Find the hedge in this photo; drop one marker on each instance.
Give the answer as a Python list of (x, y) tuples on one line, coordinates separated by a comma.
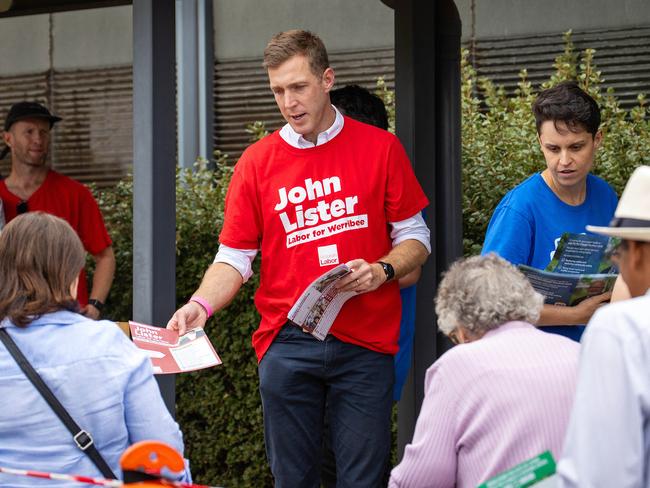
[(219, 409)]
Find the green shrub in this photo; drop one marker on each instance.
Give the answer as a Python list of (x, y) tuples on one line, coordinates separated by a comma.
[(219, 409)]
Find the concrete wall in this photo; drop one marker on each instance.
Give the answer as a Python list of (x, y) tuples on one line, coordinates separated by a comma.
[(243, 27), (359, 24), (81, 39), (500, 18), (24, 45), (103, 37), (92, 38)]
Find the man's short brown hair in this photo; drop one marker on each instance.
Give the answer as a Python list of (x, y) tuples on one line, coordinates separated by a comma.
[(287, 44)]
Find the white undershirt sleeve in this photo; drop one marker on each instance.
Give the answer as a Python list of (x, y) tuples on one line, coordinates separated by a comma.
[(412, 228), (240, 259)]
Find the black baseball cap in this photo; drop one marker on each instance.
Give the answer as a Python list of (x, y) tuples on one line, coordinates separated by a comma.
[(29, 110)]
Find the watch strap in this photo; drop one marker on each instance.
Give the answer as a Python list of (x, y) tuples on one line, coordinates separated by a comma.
[(388, 270), (98, 304)]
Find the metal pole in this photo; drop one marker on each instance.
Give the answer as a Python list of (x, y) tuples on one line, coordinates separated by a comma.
[(154, 169), (195, 73), (427, 90)]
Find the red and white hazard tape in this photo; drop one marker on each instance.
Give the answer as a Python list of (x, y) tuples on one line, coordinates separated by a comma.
[(90, 481), (63, 477)]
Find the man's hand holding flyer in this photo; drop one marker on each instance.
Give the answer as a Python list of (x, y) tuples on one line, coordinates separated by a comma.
[(171, 353), (320, 303)]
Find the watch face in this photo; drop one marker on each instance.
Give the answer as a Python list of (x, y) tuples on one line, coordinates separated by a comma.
[(388, 269)]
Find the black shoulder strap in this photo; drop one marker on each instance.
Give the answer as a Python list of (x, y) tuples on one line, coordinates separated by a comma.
[(82, 438)]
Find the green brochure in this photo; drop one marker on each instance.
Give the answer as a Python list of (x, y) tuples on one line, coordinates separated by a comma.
[(525, 474)]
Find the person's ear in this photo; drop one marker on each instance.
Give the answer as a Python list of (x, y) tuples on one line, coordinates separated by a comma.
[(328, 79), (74, 288), (462, 335), (598, 139), (6, 136), (638, 254)]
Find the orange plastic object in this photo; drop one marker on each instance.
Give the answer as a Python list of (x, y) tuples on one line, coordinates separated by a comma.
[(151, 457)]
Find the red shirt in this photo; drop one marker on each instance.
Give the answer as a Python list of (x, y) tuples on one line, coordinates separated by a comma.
[(310, 209), (71, 201)]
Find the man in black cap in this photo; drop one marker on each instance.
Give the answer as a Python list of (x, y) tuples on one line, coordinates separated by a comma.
[(33, 186)]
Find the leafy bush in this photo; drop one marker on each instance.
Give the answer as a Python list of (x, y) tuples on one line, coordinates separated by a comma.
[(219, 409)]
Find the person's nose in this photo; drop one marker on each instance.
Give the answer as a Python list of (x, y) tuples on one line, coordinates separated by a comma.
[(290, 100), (565, 157), (38, 138)]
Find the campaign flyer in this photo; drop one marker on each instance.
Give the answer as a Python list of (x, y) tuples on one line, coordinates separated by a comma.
[(171, 353)]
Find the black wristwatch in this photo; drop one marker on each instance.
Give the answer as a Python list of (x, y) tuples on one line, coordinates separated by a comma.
[(388, 269), (96, 303)]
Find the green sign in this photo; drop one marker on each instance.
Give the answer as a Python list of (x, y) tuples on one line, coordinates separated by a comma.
[(525, 474)]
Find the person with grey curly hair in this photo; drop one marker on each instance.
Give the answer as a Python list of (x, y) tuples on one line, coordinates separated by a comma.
[(503, 395), (482, 294)]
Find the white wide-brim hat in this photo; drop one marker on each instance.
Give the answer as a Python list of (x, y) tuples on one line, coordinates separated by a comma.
[(632, 217)]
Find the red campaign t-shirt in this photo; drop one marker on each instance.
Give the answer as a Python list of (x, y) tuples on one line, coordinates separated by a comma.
[(71, 201), (311, 209)]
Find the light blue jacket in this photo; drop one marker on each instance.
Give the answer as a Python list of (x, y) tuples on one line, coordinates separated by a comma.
[(99, 376)]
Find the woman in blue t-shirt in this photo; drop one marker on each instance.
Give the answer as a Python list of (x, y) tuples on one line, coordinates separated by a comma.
[(530, 219)]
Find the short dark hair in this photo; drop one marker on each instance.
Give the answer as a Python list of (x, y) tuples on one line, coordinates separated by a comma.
[(40, 257), (358, 103), (287, 44), (568, 103)]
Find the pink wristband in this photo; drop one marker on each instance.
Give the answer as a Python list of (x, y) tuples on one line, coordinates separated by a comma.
[(204, 303)]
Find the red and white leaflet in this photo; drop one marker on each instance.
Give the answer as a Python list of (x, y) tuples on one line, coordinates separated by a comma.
[(171, 353), (320, 303)]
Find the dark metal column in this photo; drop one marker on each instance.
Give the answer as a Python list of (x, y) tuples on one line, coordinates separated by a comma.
[(427, 85), (154, 169), (195, 75)]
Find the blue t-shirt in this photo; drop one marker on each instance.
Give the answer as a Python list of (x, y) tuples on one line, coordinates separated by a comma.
[(529, 221), (405, 342)]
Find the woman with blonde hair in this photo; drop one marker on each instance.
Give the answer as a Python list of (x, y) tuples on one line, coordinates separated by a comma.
[(99, 377), (500, 397)]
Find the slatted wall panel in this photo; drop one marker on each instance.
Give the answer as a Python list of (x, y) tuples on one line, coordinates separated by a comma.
[(622, 55), (242, 94), (31, 87), (94, 142)]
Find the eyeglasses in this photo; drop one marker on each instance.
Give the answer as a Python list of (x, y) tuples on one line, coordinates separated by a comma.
[(22, 207)]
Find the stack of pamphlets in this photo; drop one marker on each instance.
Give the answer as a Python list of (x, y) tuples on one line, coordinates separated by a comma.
[(320, 303), (581, 267)]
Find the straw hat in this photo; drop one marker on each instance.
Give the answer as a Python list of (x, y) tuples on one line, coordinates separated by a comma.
[(632, 217)]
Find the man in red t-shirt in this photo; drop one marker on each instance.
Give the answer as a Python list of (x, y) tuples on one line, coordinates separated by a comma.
[(323, 190), (32, 186)]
